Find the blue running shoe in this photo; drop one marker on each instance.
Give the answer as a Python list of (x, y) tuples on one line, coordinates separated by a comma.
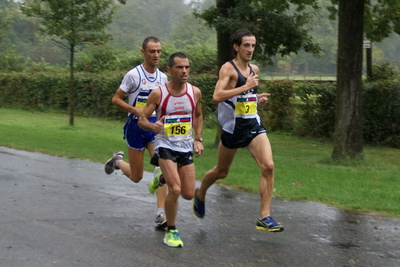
[(199, 206), (268, 224)]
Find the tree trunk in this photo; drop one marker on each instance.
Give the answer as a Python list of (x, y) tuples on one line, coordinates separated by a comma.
[(225, 50), (71, 87), (348, 138)]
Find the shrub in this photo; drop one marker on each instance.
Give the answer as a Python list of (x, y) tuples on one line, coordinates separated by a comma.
[(206, 83), (50, 91), (278, 114), (315, 109), (382, 112), (105, 58), (304, 108), (10, 60), (384, 71)]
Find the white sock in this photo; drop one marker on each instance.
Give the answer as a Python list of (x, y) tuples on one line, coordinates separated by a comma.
[(117, 162), (160, 210)]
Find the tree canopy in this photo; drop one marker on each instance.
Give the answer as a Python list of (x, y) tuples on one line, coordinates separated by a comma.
[(77, 22), (131, 25), (281, 27)]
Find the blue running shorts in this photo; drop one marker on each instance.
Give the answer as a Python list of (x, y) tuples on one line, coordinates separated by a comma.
[(136, 137)]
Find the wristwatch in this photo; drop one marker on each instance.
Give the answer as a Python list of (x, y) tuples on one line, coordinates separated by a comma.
[(199, 138)]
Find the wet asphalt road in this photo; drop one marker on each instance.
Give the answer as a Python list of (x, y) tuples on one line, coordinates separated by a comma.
[(60, 212)]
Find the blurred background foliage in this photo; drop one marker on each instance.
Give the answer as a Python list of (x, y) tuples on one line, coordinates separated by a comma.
[(34, 69), (173, 22)]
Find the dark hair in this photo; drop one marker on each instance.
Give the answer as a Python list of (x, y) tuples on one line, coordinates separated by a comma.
[(238, 36), (172, 57), (149, 39)]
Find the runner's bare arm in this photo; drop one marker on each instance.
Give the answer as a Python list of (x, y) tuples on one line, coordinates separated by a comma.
[(151, 106), (118, 101), (198, 122), (225, 87)]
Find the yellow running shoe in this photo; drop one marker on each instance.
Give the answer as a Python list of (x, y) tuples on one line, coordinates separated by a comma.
[(155, 183), (172, 239)]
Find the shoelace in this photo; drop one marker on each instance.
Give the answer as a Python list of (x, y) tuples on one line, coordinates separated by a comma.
[(175, 235), (269, 222)]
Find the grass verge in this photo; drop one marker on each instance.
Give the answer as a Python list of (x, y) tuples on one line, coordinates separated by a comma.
[(303, 169)]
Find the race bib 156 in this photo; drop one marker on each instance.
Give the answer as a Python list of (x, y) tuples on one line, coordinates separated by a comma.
[(178, 125)]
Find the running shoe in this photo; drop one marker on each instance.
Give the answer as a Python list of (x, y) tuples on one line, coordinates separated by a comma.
[(172, 239), (111, 164), (268, 224), (199, 206), (161, 221), (155, 183)]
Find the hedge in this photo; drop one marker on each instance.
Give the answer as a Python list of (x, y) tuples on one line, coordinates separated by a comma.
[(302, 108)]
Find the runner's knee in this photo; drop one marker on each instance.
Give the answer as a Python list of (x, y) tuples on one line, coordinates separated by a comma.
[(136, 178), (221, 174), (187, 195), (267, 169), (174, 190)]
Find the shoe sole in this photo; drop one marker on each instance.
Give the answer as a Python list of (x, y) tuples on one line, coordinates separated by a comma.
[(194, 206), (198, 215), (109, 166), (269, 230)]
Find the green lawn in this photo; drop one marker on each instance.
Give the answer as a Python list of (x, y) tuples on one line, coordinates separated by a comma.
[(303, 169)]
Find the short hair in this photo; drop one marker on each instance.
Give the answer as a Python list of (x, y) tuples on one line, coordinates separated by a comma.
[(172, 57), (149, 39), (238, 36)]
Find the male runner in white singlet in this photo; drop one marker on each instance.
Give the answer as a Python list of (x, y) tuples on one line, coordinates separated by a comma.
[(138, 83), (237, 98), (179, 112)]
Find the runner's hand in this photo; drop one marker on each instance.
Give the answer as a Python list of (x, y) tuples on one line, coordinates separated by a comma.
[(198, 148), (252, 81), (262, 98), (158, 125)]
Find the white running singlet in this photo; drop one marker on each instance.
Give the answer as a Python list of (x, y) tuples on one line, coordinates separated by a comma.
[(138, 83), (178, 112)]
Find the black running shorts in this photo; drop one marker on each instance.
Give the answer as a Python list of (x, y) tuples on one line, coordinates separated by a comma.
[(180, 158)]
